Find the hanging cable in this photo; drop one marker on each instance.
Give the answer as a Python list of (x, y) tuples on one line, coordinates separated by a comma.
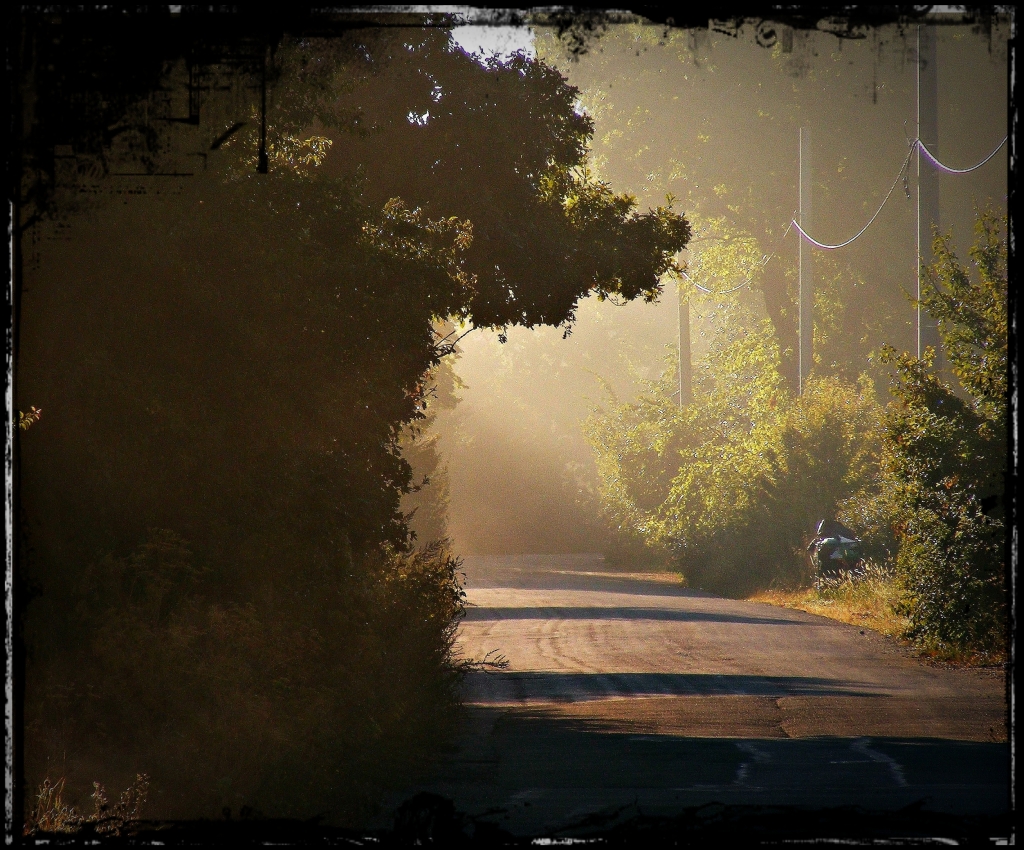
[(931, 158), (760, 265), (901, 175), (892, 188), (717, 291)]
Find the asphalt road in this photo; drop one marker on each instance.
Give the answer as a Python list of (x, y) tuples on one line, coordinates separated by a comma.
[(627, 694)]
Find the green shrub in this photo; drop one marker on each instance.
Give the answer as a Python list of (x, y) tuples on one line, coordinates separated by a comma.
[(731, 486), (942, 480), (939, 496), (235, 363)]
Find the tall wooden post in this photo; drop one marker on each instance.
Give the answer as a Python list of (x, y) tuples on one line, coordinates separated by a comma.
[(927, 176), (806, 267), (685, 367)]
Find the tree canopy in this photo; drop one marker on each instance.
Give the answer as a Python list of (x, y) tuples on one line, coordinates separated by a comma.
[(226, 367)]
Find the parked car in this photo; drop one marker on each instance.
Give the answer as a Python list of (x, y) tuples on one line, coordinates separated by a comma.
[(835, 549)]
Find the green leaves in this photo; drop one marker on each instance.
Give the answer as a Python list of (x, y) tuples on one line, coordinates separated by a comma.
[(972, 313), (944, 455), (410, 236), (730, 485), (27, 420), (393, 118), (236, 362)]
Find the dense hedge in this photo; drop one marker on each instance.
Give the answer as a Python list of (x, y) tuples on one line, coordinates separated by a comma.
[(224, 591)]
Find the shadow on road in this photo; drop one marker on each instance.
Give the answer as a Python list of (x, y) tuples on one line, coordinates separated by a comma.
[(567, 572), (539, 748), (474, 613), (533, 772), (544, 745), (484, 687)]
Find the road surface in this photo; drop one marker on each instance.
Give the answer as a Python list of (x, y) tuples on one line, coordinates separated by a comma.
[(627, 693)]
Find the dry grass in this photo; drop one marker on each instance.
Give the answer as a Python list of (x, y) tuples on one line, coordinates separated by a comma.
[(866, 599), (869, 600), (293, 704), (52, 814)]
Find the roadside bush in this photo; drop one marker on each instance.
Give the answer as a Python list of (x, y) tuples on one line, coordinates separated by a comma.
[(292, 705), (942, 480), (731, 486), (937, 503)]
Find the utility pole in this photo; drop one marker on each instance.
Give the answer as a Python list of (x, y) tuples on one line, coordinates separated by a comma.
[(806, 267), (927, 177), (685, 367)]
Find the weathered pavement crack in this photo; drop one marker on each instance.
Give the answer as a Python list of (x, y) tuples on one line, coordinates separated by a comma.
[(781, 725)]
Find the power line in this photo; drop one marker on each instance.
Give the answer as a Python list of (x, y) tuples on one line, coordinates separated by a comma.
[(717, 291), (931, 158), (916, 143), (760, 265), (892, 188)]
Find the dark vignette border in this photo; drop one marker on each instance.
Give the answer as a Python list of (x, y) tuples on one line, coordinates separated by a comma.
[(239, 35)]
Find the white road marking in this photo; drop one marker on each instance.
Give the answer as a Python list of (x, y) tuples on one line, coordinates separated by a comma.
[(863, 745)]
